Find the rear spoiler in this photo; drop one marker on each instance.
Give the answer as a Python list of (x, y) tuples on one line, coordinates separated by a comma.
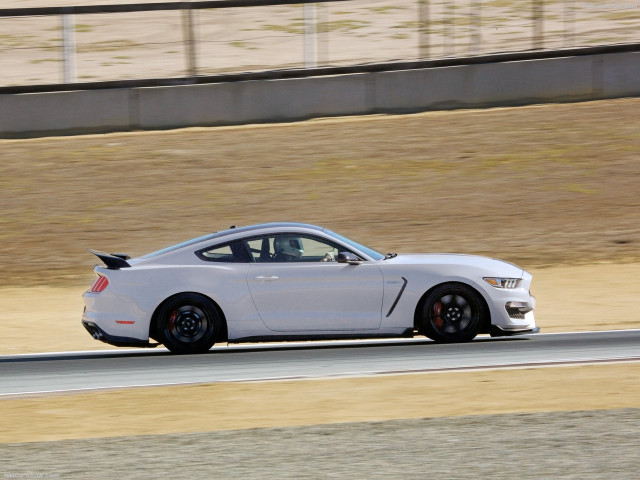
[(113, 261)]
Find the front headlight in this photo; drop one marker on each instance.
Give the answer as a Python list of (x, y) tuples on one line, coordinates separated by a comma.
[(499, 282)]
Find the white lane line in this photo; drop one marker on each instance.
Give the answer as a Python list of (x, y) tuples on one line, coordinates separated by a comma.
[(586, 331), (508, 366), (82, 352)]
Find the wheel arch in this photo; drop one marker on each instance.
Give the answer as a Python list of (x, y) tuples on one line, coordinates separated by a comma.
[(224, 336), (484, 328)]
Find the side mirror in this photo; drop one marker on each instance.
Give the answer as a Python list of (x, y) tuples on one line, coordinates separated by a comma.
[(348, 257)]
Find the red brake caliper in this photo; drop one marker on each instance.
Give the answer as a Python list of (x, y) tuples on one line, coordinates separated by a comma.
[(172, 319), (437, 310)]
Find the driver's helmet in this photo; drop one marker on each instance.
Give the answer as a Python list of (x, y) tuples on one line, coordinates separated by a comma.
[(289, 246)]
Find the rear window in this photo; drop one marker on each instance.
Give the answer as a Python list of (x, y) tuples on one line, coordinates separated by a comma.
[(172, 248), (234, 252)]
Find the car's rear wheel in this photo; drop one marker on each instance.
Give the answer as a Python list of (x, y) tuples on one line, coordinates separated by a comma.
[(188, 323), (453, 313)]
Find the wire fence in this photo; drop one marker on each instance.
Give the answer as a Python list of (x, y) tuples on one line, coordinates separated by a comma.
[(186, 39)]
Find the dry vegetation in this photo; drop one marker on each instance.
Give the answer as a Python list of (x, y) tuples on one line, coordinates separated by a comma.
[(536, 185), (234, 406)]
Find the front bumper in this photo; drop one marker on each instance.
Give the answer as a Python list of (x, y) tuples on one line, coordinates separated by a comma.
[(97, 333), (512, 309)]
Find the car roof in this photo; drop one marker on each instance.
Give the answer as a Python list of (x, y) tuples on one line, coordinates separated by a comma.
[(249, 228), (231, 231)]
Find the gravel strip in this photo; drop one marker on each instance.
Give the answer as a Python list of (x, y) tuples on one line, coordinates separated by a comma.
[(559, 445)]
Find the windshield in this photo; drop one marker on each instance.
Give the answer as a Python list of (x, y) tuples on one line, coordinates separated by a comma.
[(366, 250)]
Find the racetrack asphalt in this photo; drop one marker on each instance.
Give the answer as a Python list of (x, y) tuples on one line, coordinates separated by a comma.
[(76, 371)]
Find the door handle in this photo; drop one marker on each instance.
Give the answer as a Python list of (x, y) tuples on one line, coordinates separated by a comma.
[(267, 277)]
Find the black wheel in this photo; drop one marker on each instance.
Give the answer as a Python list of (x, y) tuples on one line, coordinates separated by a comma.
[(453, 313), (188, 323)]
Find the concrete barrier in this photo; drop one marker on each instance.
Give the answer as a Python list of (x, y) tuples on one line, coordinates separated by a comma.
[(252, 101), (620, 74), (32, 114), (562, 79)]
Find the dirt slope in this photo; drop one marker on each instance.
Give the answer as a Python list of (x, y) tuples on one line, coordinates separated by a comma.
[(538, 185)]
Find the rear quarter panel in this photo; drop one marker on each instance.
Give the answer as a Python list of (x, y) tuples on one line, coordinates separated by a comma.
[(145, 287)]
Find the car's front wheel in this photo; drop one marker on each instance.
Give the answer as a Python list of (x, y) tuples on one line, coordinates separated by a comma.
[(453, 313), (188, 323)]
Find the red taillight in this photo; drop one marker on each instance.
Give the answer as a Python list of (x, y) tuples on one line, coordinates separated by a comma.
[(100, 284)]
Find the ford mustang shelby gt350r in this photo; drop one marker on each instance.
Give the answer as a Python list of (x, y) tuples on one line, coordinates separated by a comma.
[(292, 281)]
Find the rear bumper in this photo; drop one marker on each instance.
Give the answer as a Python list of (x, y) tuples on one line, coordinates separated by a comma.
[(116, 316), (501, 332), (97, 333)]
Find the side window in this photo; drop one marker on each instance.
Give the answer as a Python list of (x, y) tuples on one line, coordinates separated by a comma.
[(234, 252), (261, 249), (291, 248), (299, 248), (315, 250)]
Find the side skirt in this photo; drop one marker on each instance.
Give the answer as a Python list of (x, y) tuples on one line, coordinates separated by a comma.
[(407, 333)]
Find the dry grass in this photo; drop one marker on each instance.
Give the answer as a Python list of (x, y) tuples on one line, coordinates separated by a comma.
[(144, 411), (536, 185)]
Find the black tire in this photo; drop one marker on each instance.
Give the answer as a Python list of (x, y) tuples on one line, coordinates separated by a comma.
[(188, 323), (453, 313)]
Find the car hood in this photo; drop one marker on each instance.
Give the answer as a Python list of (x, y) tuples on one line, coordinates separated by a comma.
[(497, 267)]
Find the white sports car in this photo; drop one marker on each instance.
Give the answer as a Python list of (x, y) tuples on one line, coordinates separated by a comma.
[(291, 281)]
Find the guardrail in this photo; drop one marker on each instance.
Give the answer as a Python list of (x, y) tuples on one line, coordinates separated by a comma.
[(498, 80), (95, 43)]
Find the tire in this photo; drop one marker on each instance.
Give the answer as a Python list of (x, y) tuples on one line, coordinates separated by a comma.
[(188, 323), (453, 313)]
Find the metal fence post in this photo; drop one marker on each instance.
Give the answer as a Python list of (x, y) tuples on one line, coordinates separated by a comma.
[(475, 46), (310, 36), (569, 18), (68, 48), (423, 29), (323, 34), (538, 24), (449, 29), (188, 35)]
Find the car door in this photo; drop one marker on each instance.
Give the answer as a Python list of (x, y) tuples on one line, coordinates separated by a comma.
[(310, 291)]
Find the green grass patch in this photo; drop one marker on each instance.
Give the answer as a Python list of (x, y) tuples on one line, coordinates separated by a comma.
[(108, 46), (386, 9), (296, 28), (243, 45), (83, 28), (627, 14), (580, 188), (599, 40), (341, 25), (45, 60)]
